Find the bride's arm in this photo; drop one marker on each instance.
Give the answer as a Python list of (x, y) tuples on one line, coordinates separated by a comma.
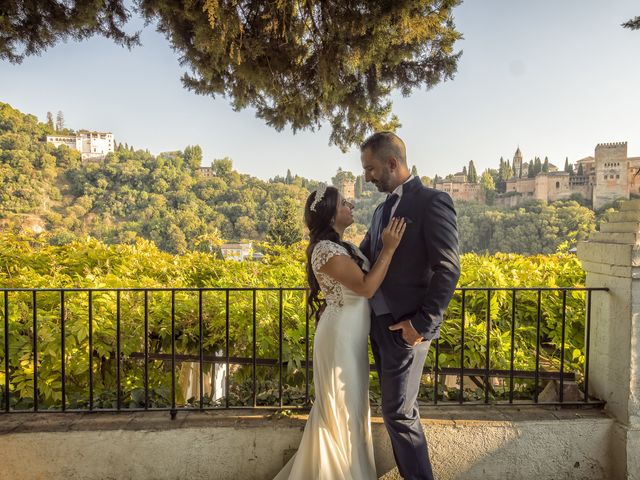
[(344, 270)]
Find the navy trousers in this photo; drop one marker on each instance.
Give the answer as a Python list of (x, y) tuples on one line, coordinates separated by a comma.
[(399, 369)]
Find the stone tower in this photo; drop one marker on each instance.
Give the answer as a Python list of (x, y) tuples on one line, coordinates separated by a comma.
[(517, 163), (348, 189), (611, 173)]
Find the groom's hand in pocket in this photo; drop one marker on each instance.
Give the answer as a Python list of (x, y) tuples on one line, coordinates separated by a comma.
[(409, 334)]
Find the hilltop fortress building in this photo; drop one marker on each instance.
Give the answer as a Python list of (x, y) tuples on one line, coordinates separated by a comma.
[(609, 175), (91, 145)]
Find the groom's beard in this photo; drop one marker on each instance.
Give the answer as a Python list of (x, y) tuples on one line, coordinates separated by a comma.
[(383, 184)]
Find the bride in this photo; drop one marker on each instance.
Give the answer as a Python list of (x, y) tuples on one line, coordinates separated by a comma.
[(336, 443)]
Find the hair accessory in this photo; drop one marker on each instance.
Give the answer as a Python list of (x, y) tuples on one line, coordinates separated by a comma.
[(322, 189)]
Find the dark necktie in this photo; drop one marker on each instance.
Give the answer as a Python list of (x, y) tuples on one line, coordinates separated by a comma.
[(384, 221), (386, 210)]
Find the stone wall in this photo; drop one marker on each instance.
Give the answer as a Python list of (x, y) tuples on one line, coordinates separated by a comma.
[(611, 173), (611, 259), (465, 443)]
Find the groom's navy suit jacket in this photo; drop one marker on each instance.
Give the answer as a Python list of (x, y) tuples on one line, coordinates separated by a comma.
[(425, 268)]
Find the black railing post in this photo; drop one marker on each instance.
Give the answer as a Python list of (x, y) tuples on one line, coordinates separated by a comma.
[(280, 339), (487, 346), (146, 349), (564, 325), (435, 373), (90, 320), (537, 373), (226, 349), (513, 339), (587, 344), (306, 347), (173, 412), (462, 322), (253, 353), (201, 349), (62, 351), (7, 391), (35, 353), (118, 333)]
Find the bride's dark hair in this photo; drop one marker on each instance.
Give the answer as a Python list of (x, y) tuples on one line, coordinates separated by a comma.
[(320, 225)]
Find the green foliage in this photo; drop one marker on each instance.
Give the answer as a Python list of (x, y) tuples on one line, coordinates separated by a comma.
[(528, 229), (298, 64), (29, 30), (302, 64), (341, 177), (27, 261), (130, 193), (632, 24), (472, 176), (286, 227)]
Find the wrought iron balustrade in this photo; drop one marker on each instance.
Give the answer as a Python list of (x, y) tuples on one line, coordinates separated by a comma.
[(23, 319)]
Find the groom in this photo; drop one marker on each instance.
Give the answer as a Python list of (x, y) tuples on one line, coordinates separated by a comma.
[(407, 309)]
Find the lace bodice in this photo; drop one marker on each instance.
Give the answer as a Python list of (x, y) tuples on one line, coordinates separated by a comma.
[(334, 291)]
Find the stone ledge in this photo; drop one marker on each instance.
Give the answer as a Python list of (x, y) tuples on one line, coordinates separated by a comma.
[(157, 421), (620, 227), (621, 238), (630, 205), (466, 443), (628, 216), (612, 254), (608, 269)]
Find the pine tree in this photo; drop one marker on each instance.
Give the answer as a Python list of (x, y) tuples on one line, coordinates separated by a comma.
[(414, 171), (59, 121), (359, 187), (50, 121), (538, 165), (289, 177), (285, 227), (545, 165), (274, 57), (473, 176), (567, 166), (580, 170), (632, 24)]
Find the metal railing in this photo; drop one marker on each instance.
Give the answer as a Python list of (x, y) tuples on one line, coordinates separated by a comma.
[(27, 323)]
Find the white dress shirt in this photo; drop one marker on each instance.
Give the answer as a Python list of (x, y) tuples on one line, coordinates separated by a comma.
[(398, 191)]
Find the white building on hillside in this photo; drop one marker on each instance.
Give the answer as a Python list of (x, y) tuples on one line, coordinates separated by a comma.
[(91, 145)]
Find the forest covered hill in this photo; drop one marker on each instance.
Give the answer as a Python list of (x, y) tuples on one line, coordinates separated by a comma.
[(164, 198)]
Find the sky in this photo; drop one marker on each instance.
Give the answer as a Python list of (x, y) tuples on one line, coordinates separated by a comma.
[(554, 77)]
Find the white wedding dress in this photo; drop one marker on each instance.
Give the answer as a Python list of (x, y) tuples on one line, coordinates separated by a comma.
[(336, 443)]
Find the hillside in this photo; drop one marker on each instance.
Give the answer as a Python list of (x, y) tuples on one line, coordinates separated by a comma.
[(131, 193)]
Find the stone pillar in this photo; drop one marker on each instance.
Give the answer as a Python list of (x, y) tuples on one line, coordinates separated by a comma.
[(611, 258)]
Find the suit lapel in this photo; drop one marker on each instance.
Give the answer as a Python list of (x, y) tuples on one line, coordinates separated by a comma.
[(405, 200), (375, 234)]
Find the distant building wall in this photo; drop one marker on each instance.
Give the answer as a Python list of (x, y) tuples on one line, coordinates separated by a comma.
[(348, 189), (207, 171), (236, 251), (558, 186), (461, 192), (612, 171), (91, 145)]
